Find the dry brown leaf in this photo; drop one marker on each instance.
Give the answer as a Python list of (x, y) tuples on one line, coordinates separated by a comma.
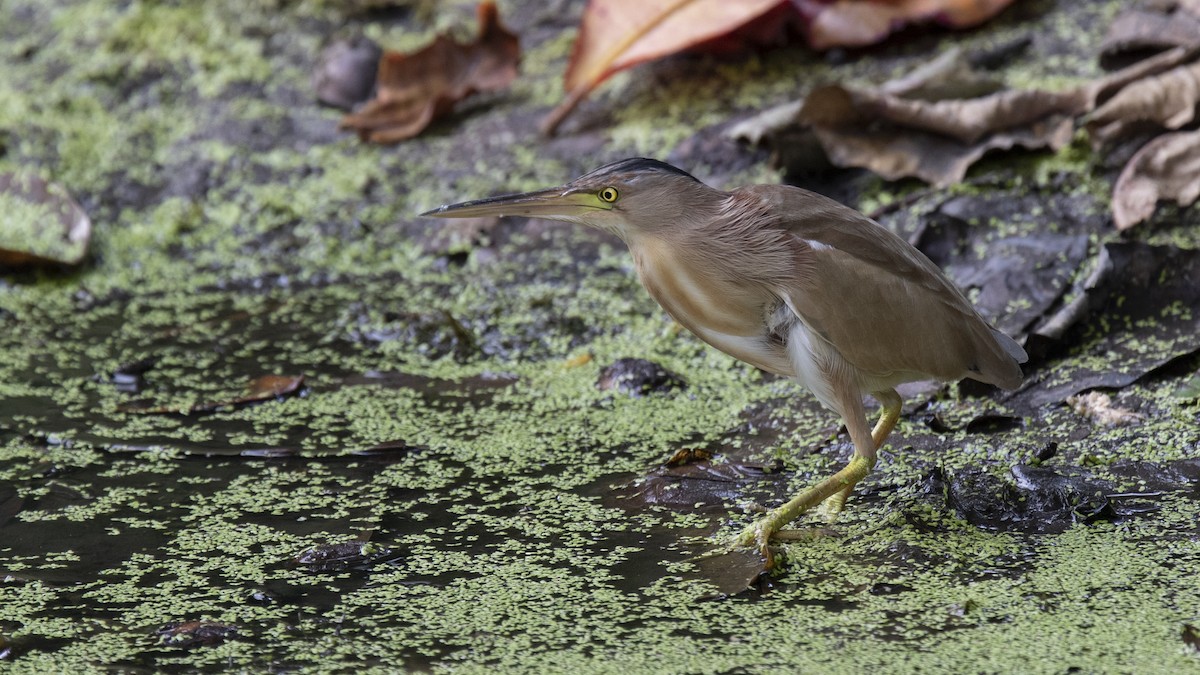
[(936, 141), (901, 153), (858, 23), (896, 132), (1167, 167), (414, 89), (618, 34), (949, 76), (966, 120), (40, 224)]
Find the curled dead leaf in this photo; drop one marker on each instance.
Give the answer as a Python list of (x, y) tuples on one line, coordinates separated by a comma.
[(897, 153), (1105, 87), (933, 124), (1168, 100), (40, 224), (414, 89), (965, 120), (1167, 167), (934, 140)]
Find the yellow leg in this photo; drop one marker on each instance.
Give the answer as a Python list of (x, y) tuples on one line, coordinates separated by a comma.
[(839, 485), (888, 416), (761, 531)]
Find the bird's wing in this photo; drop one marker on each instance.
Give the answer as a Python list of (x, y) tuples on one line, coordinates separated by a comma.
[(881, 303)]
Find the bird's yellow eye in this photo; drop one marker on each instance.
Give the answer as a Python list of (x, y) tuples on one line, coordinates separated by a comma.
[(608, 194)]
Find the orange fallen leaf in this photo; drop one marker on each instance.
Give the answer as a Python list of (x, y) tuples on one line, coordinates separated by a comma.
[(617, 34), (412, 90)]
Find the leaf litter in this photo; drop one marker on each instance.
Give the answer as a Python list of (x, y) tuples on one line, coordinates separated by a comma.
[(936, 122)]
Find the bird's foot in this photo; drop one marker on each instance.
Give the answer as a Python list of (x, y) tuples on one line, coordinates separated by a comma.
[(758, 535), (835, 488)]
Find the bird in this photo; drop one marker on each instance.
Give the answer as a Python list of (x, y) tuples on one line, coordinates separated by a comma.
[(791, 282)]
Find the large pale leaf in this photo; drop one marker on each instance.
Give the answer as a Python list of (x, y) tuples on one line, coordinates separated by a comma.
[(617, 34)]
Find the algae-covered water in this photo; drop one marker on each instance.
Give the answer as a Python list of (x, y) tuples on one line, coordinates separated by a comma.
[(442, 484)]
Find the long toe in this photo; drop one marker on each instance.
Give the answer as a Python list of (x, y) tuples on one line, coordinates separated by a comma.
[(833, 506)]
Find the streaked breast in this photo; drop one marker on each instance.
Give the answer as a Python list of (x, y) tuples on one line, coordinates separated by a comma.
[(726, 315)]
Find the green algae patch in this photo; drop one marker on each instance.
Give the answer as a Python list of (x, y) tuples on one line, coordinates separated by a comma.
[(449, 429)]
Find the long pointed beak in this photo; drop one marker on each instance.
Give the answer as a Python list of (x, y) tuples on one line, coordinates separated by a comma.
[(556, 202)]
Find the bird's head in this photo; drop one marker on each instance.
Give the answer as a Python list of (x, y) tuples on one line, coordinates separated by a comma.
[(626, 198)]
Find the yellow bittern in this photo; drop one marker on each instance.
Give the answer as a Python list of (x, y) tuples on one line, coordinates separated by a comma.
[(791, 282)]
